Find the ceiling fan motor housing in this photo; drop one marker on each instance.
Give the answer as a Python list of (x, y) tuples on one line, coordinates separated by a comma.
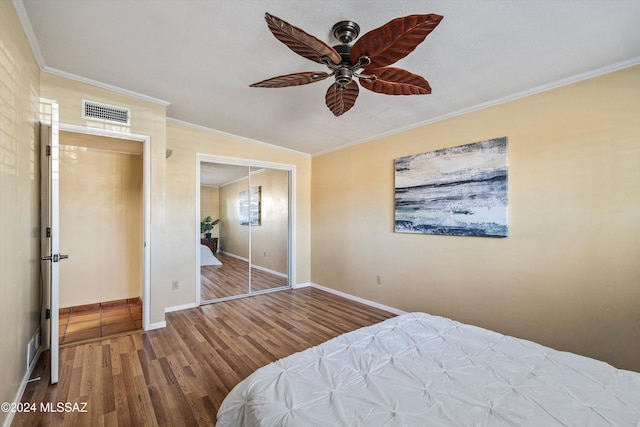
[(343, 50), (343, 73), (345, 31)]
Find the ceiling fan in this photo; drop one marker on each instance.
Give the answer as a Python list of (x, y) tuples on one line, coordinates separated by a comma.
[(368, 59)]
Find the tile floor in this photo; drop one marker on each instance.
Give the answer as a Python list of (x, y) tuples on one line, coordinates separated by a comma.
[(98, 320)]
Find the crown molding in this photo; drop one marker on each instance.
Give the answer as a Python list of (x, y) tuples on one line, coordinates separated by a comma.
[(533, 91), (234, 136), (18, 5), (102, 85), (37, 53)]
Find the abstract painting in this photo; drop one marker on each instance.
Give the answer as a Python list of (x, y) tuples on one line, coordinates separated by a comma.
[(250, 206), (459, 191)]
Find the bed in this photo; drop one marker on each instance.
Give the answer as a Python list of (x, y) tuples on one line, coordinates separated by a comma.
[(207, 257), (422, 370)]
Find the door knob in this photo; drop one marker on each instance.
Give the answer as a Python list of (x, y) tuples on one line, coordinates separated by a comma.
[(54, 257)]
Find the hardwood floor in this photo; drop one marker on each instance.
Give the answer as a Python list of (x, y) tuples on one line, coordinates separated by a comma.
[(232, 278), (178, 376)]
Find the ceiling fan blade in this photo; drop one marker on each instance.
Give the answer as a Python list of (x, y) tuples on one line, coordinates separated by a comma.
[(394, 40), (339, 100), (300, 42), (396, 81), (294, 79)]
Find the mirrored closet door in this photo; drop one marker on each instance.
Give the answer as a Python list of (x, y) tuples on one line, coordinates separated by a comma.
[(247, 249)]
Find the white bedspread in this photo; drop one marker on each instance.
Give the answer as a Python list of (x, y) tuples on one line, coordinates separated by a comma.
[(207, 257), (422, 370)]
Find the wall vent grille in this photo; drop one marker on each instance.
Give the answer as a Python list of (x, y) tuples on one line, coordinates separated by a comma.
[(106, 113)]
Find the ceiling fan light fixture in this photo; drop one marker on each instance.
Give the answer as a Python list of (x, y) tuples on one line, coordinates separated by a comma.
[(344, 76)]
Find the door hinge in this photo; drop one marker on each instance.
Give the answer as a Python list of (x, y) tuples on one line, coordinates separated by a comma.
[(48, 231), (47, 313), (48, 150)]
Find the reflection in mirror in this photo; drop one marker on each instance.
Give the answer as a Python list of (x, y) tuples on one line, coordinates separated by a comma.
[(227, 274), (269, 203), (253, 233)]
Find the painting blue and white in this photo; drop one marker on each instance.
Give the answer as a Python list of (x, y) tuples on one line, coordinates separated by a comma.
[(249, 206), (460, 191)]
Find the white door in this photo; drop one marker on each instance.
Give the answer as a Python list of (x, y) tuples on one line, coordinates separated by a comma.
[(50, 238)]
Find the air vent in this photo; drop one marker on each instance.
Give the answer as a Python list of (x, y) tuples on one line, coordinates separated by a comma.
[(106, 113)]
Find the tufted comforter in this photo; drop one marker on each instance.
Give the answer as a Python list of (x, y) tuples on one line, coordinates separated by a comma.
[(422, 370)]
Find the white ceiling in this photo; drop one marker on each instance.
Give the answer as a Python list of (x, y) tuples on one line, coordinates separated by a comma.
[(201, 56), (218, 175)]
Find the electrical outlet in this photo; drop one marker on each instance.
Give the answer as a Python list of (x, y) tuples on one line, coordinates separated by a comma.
[(265, 253), (379, 280), (175, 285)]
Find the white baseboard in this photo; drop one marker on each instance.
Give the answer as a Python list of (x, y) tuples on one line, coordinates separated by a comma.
[(180, 307), (257, 267), (357, 299), (301, 285), (234, 256), (266, 270), (393, 310), (23, 385), (157, 325)]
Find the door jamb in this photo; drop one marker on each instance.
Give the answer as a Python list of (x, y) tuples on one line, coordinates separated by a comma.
[(146, 184)]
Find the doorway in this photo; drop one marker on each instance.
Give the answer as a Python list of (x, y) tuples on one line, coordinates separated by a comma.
[(50, 236), (249, 250), (101, 229), (104, 228)]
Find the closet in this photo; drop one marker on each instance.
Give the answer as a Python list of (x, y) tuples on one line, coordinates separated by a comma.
[(252, 239)]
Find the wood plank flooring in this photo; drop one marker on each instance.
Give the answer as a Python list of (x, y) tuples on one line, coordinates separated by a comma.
[(178, 376), (232, 278)]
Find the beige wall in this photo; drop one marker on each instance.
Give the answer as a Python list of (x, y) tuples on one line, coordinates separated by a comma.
[(269, 241), (147, 118), (19, 202), (567, 276), (181, 205), (234, 238), (101, 225), (210, 206)]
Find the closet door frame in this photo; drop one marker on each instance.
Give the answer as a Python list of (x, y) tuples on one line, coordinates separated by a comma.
[(291, 261)]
